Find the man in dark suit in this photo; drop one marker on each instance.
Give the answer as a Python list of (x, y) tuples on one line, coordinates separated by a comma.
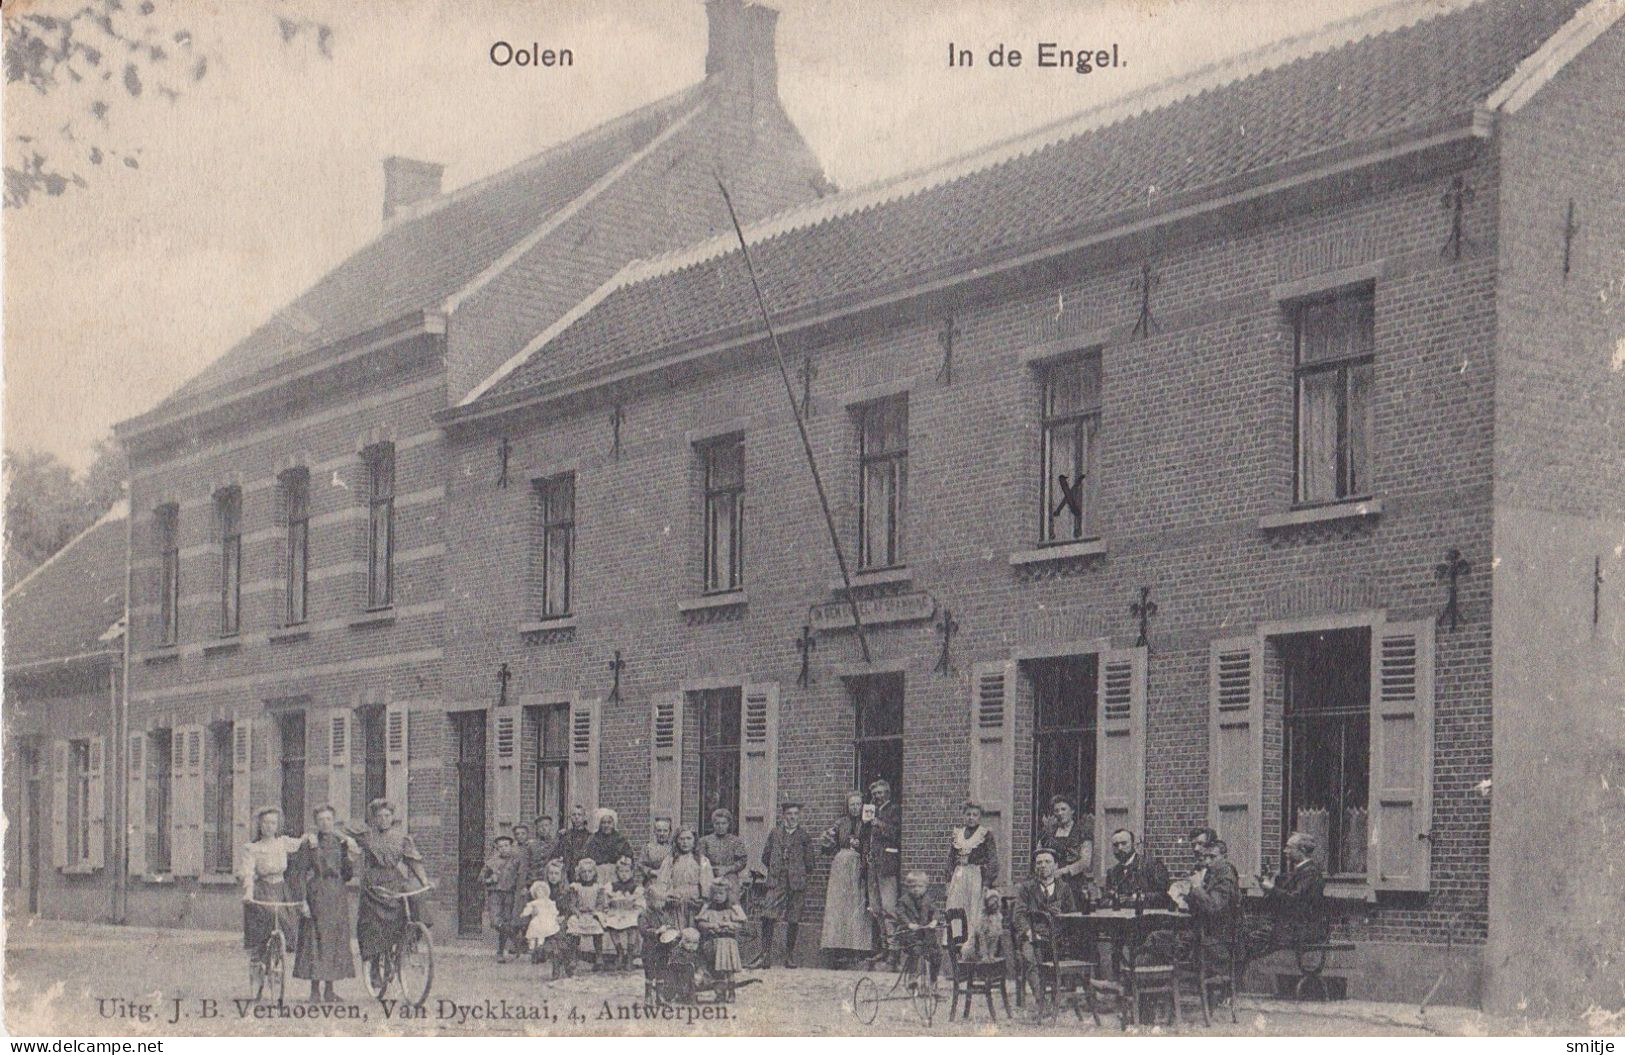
[(1137, 871), (1037, 900), (540, 847), (1295, 900), (1213, 894), (883, 837), (788, 859)]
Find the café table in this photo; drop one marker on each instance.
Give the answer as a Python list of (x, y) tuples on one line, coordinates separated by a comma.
[(1125, 929)]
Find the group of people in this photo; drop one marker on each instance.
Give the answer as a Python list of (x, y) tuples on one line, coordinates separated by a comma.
[(299, 884)]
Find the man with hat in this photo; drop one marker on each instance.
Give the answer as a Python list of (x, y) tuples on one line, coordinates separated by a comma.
[(883, 835), (788, 860), (1038, 900)]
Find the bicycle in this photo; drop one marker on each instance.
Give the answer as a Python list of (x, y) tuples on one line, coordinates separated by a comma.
[(268, 972), (408, 963), (913, 982)]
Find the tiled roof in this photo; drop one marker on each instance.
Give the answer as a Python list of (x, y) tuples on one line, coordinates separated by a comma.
[(418, 261), (69, 605), (1214, 128)]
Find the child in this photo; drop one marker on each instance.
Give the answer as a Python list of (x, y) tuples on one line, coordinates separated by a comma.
[(989, 942), (685, 969), (624, 904), (543, 915), (498, 877), (653, 922), (917, 920), (719, 922), (559, 947), (588, 900)]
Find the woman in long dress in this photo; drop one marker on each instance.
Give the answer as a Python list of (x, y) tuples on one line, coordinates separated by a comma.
[(390, 866), (606, 844), (1072, 842), (267, 897), (973, 866), (846, 933), (685, 876), (320, 872)]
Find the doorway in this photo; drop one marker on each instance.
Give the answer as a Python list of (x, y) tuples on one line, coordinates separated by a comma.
[(468, 727), (878, 743)]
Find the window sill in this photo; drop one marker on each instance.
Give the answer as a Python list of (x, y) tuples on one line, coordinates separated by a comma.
[(223, 645), (1356, 509), (158, 879), (81, 870), (373, 617), (162, 654), (547, 626), (712, 601), (879, 577), (218, 879), (297, 632), (1090, 547)]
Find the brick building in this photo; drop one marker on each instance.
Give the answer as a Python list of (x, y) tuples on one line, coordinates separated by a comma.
[(289, 535), (1295, 350), (64, 675)]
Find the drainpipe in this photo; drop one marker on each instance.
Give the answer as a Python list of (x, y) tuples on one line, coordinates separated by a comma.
[(121, 726)]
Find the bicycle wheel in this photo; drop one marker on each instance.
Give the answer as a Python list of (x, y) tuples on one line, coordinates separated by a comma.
[(414, 971), (865, 1000), (377, 974), (924, 992), (256, 976), (276, 967)]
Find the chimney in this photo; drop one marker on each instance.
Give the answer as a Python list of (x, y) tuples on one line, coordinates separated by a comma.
[(407, 182), (741, 44)]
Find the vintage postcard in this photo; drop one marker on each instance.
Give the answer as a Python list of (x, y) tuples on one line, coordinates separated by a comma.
[(812, 517)]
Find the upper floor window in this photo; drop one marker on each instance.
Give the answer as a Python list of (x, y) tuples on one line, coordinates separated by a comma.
[(169, 572), (228, 518), (556, 502), (1070, 421), (1335, 346), (724, 461), (296, 515), (380, 462), (882, 481)]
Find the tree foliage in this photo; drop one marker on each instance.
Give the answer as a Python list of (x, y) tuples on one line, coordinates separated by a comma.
[(95, 57), (47, 505)]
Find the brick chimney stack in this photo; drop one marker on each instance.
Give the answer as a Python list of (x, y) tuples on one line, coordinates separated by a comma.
[(741, 45), (407, 182)]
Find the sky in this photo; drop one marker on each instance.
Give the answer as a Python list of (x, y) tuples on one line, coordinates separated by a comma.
[(266, 173)]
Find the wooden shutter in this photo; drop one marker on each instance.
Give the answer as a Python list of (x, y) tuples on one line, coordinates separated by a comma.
[(1120, 746), (1401, 840), (135, 799), (95, 848), (1235, 749), (992, 750), (758, 766), (186, 802), (397, 766), (339, 792), (506, 724), (59, 803), (242, 787), (666, 755), (583, 754)]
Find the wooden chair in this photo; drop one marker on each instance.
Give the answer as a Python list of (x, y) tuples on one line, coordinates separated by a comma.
[(1060, 976), (1126, 998), (969, 977)]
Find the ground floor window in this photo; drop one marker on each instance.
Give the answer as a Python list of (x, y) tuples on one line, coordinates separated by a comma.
[(1328, 743), (78, 826), (552, 746), (1064, 742), (719, 753), (292, 731), (878, 743), (218, 800), (374, 756), (159, 773)]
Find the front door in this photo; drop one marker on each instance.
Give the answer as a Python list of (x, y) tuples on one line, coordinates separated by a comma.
[(470, 732)]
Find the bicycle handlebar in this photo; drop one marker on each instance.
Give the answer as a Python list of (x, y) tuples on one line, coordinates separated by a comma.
[(275, 904), (409, 893)]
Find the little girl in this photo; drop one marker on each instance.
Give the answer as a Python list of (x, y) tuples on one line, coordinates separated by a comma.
[(624, 902), (588, 898), (543, 915), (558, 948), (719, 922)]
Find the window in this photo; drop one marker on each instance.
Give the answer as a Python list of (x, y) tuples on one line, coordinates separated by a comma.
[(556, 503), (552, 739), (291, 727), (228, 520), (719, 753), (217, 801), (1071, 429), (1334, 338), (878, 746), (1064, 717), (159, 792), (374, 756), (78, 826), (724, 514), (882, 481), (169, 573), (1328, 743), (380, 460), (296, 515)]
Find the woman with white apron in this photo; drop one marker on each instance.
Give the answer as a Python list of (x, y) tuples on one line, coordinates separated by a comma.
[(973, 866)]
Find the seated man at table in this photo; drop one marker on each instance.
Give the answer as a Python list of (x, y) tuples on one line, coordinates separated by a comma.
[(1294, 901), (1039, 898), (1137, 871), (1213, 895)]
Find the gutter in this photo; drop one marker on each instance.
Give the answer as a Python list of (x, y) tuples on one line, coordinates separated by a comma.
[(1466, 128)]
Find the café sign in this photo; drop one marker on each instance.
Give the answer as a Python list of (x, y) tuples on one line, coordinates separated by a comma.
[(875, 611)]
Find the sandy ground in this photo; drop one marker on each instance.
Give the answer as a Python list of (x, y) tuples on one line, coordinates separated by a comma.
[(84, 979)]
